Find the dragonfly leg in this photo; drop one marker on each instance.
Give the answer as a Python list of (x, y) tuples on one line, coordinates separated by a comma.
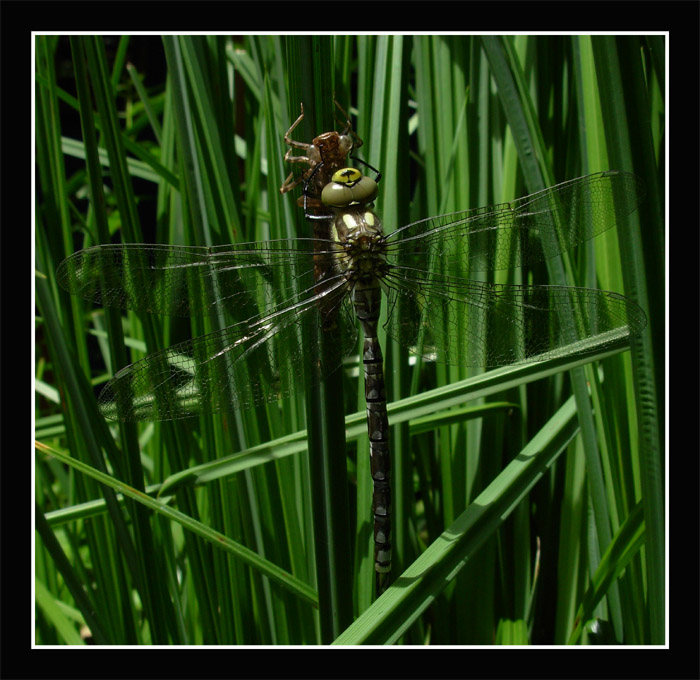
[(290, 183), (356, 140), (371, 167), (308, 194), (288, 136)]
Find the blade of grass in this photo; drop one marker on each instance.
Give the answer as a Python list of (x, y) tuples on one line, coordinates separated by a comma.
[(419, 585), (424, 411), (273, 572), (520, 114), (155, 599), (623, 127), (75, 586), (626, 544)]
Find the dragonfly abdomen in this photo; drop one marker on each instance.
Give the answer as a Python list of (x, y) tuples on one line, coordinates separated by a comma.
[(367, 297)]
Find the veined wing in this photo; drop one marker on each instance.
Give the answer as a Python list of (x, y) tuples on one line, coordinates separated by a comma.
[(527, 230), (471, 323), (244, 280), (239, 367)]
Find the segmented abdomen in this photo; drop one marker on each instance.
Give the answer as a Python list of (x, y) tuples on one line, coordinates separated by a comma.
[(367, 301)]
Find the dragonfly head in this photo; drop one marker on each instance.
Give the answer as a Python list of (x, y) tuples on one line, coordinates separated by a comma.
[(348, 186)]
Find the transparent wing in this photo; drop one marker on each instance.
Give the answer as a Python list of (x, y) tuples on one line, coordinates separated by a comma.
[(242, 280), (239, 367), (438, 311), (257, 286), (528, 230), (471, 323)]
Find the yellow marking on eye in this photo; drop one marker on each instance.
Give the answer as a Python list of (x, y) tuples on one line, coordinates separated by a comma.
[(346, 176)]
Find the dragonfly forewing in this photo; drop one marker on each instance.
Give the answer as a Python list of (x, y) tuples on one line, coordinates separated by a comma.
[(523, 232), (242, 280)]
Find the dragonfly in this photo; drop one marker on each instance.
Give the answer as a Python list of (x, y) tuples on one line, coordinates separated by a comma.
[(263, 293)]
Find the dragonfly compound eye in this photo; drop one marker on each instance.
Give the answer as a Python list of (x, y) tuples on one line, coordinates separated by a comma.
[(345, 144), (348, 189)]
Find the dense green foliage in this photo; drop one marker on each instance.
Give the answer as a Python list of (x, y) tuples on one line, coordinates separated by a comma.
[(518, 518)]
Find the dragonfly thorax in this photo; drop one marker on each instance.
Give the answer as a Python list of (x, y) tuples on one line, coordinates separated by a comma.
[(361, 252)]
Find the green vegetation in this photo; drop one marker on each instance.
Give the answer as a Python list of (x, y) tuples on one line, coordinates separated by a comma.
[(528, 501)]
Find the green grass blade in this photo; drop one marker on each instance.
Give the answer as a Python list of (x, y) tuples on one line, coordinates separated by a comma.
[(623, 128), (241, 552), (626, 544), (419, 585)]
